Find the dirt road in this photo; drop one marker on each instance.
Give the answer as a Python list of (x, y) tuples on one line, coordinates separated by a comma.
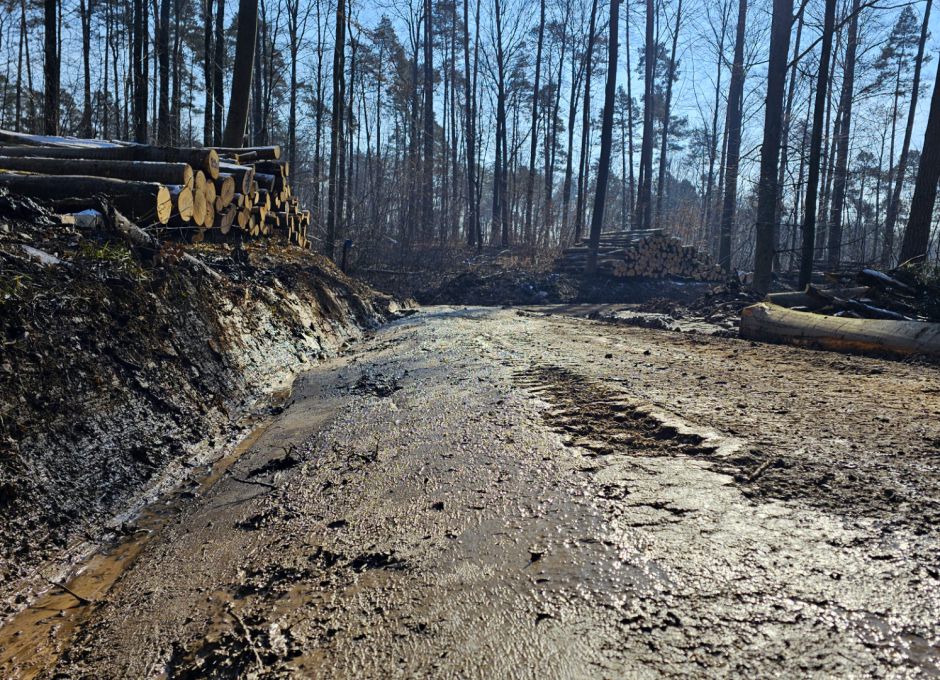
[(501, 493)]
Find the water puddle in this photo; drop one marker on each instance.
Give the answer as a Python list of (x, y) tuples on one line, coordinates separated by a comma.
[(33, 639)]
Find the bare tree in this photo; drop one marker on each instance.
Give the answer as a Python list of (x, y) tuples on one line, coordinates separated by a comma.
[(770, 149), (733, 153), (667, 106), (644, 202), (607, 125), (51, 68), (533, 134), (901, 171), (842, 139), (336, 135), (917, 234), (815, 146), (245, 40)]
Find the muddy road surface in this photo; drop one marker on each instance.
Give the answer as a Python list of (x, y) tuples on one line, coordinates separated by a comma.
[(500, 493)]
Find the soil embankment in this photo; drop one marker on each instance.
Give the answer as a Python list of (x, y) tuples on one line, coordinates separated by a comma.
[(120, 369)]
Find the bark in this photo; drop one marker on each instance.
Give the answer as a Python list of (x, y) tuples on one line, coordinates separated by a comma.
[(732, 157), (473, 226), (146, 202), (207, 71), (51, 67), (206, 160), (607, 124), (336, 134), (901, 338), (533, 135), (842, 146), (585, 126), (787, 119), (140, 77), (142, 171), (237, 118), (427, 198), (670, 77), (500, 183), (84, 13), (164, 124), (644, 207), (815, 150), (917, 234), (707, 221), (218, 66), (767, 187), (894, 204)]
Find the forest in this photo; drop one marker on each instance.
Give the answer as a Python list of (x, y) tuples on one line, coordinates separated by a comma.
[(774, 136), (469, 338)]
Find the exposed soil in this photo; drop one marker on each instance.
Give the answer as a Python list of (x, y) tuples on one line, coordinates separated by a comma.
[(522, 287), (120, 370), (503, 493)]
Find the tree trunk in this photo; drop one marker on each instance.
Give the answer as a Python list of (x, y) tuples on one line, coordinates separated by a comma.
[(785, 137), (917, 234), (583, 166), (732, 157), (164, 124), (218, 82), (427, 199), (51, 68), (671, 75), (533, 135), (893, 204), (631, 195), (237, 119), (336, 134), (140, 76), (84, 13), (607, 124), (815, 148), (473, 226), (708, 212), (207, 71), (770, 149), (140, 171), (842, 143), (142, 201), (644, 207)]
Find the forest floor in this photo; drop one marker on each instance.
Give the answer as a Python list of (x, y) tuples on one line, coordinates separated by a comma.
[(493, 492)]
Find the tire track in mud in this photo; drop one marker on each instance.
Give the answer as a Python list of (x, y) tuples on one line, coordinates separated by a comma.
[(602, 421), (612, 429)]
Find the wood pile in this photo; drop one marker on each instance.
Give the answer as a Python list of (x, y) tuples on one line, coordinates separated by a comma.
[(647, 254), (873, 295), (883, 313), (191, 193)]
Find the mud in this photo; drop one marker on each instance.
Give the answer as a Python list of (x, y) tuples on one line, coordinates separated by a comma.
[(123, 373), (493, 493), (522, 287)]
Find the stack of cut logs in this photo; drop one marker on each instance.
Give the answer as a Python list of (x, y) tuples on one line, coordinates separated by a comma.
[(191, 192), (649, 254)]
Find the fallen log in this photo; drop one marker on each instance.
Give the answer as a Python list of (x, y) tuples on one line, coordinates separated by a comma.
[(873, 277), (772, 323), (243, 175), (809, 298), (225, 189), (11, 137), (261, 153), (143, 201), (206, 160), (182, 202), (139, 171)]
